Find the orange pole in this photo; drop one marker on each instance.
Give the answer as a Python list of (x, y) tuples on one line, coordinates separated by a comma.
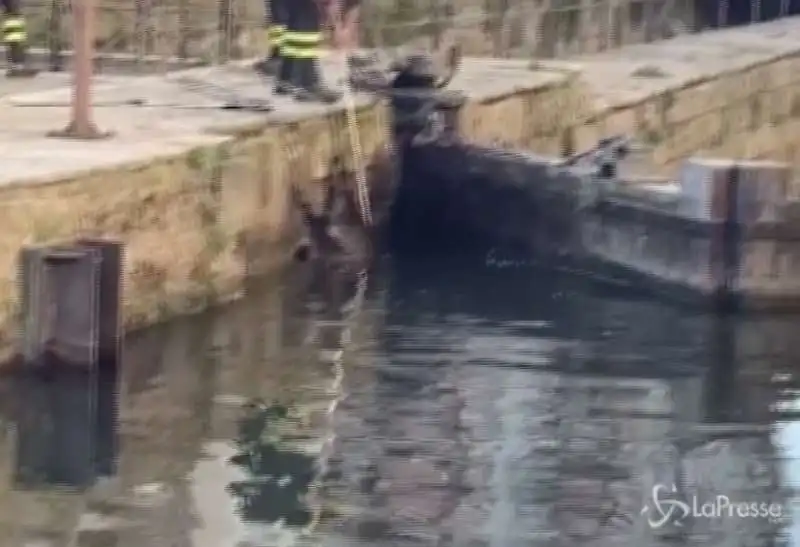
[(81, 125)]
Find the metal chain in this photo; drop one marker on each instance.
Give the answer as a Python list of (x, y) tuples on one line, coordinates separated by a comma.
[(350, 311)]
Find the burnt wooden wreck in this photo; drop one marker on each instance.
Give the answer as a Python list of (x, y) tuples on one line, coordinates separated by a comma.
[(725, 234)]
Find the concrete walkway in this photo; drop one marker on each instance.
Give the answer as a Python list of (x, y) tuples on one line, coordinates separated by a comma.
[(161, 116), (157, 116)]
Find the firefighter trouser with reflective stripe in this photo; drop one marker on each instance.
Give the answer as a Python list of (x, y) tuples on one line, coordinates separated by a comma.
[(15, 34), (277, 18), (303, 38)]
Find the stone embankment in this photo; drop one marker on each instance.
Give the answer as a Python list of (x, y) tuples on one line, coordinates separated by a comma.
[(200, 194)]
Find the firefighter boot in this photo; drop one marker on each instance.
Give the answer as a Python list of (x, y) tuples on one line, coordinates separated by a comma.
[(17, 66), (310, 86), (364, 74), (359, 59), (283, 77), (268, 66)]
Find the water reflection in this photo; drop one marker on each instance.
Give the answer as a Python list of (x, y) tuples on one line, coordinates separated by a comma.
[(484, 408), (66, 428), (277, 479)]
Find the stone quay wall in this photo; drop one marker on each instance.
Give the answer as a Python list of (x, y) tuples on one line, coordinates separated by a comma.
[(197, 222)]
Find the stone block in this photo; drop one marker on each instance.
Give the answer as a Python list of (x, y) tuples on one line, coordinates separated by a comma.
[(763, 188), (768, 275), (620, 122), (704, 186), (695, 134), (757, 264), (692, 102), (738, 116)]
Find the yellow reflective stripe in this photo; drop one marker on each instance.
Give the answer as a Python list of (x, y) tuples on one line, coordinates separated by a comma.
[(13, 23), (15, 37), (275, 35), (302, 45), (303, 38), (293, 52)]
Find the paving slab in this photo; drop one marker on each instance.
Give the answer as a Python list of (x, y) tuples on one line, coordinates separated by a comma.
[(636, 72)]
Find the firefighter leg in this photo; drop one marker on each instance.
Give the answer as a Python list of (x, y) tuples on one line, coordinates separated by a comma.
[(363, 71), (285, 65), (276, 28), (15, 37), (303, 48), (350, 28)]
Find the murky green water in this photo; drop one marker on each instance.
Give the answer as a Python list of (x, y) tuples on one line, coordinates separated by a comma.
[(474, 407)]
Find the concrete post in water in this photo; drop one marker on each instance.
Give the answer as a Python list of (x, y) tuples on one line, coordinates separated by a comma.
[(709, 189), (742, 203), (723, 235), (109, 301), (59, 306), (71, 351), (109, 354)]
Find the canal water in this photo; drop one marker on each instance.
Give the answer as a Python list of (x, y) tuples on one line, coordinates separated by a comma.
[(478, 403)]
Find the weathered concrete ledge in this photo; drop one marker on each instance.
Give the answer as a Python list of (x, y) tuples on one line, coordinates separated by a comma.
[(194, 191)]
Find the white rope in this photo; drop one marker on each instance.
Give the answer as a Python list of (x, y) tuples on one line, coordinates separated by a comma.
[(357, 152)]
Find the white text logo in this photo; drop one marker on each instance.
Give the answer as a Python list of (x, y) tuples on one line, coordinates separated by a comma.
[(665, 508)]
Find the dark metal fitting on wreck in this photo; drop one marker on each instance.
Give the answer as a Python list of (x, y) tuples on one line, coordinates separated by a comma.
[(423, 111), (422, 116), (604, 157)]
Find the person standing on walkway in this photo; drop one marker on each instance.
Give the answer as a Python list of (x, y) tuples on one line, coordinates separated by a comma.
[(300, 70), (15, 38)]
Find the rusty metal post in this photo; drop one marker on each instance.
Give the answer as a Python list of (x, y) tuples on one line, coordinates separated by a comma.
[(59, 306), (82, 126)]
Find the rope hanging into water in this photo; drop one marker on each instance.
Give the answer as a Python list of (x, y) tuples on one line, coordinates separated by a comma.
[(336, 359)]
